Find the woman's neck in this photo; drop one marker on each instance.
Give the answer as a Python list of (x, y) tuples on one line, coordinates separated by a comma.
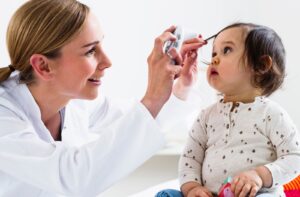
[(50, 104), (48, 101)]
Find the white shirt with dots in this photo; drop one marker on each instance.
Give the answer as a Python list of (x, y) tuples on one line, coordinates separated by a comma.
[(224, 142)]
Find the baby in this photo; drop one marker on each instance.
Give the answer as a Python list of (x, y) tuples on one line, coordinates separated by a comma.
[(245, 135)]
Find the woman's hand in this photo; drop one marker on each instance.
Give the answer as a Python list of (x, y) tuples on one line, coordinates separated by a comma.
[(246, 184), (189, 72), (161, 73)]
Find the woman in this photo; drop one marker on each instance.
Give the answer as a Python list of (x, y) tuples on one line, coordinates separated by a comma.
[(51, 144)]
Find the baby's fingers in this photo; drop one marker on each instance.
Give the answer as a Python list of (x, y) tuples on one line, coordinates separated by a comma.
[(254, 190), (245, 190), (233, 184), (238, 186), (204, 192)]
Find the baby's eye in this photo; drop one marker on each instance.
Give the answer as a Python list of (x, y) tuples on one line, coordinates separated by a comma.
[(227, 50), (213, 54)]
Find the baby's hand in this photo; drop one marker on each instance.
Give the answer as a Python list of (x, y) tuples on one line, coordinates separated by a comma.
[(246, 183), (199, 191)]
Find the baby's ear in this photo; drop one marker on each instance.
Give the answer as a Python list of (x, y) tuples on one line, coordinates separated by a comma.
[(266, 63)]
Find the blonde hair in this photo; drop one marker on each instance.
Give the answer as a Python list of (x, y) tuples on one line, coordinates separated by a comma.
[(41, 27)]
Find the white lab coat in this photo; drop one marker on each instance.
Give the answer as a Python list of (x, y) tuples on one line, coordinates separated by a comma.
[(100, 144)]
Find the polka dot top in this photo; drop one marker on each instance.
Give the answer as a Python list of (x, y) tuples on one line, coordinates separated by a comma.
[(230, 138)]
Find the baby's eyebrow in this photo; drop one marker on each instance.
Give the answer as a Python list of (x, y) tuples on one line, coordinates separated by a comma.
[(224, 43), (228, 42)]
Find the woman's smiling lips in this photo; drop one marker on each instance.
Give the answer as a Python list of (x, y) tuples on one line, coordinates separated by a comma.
[(95, 81)]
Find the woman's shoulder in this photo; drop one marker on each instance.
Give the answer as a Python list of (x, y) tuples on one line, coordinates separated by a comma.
[(8, 94)]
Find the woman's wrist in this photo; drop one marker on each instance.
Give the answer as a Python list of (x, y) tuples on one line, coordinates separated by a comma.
[(153, 106), (181, 91)]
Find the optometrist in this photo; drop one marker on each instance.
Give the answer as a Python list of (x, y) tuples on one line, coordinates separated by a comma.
[(53, 140)]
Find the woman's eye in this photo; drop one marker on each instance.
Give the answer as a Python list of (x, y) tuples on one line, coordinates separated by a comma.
[(227, 50), (91, 52)]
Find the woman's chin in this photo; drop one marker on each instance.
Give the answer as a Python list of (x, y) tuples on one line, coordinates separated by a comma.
[(89, 96), (92, 97)]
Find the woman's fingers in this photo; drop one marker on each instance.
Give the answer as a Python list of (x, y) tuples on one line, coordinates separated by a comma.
[(191, 57), (167, 35), (175, 56), (193, 44), (193, 40), (171, 29)]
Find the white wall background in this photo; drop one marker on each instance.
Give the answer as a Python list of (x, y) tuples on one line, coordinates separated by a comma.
[(131, 26)]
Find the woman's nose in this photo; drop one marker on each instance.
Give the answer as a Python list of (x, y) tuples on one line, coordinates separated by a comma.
[(215, 61), (104, 61)]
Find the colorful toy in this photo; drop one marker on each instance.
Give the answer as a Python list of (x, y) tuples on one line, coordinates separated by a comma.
[(225, 190), (292, 189)]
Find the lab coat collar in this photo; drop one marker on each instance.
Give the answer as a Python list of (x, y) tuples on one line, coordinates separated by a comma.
[(21, 97)]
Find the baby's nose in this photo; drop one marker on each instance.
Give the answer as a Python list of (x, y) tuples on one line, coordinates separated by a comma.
[(215, 61)]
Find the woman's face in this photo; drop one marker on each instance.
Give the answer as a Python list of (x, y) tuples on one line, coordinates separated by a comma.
[(79, 69)]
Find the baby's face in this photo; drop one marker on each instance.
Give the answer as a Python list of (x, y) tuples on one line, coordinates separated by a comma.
[(228, 73)]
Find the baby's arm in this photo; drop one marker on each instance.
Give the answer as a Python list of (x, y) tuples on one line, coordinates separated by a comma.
[(190, 164), (286, 141)]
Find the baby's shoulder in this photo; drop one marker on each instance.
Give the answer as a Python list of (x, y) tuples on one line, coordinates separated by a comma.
[(273, 108), (209, 109)]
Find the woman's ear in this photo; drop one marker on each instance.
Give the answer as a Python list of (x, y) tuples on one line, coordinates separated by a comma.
[(266, 63), (40, 65)]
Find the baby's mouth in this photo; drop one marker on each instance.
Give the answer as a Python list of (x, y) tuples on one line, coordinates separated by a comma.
[(214, 72)]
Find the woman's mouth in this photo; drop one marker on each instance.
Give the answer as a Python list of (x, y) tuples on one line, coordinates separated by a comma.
[(95, 81)]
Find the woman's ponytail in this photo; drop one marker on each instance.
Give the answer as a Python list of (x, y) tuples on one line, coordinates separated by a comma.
[(5, 72)]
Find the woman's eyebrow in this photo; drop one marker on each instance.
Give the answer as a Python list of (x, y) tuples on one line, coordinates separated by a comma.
[(94, 43), (90, 44)]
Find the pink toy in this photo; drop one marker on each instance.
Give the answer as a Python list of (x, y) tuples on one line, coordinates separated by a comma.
[(225, 190)]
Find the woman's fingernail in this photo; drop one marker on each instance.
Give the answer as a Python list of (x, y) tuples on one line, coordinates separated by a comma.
[(193, 55), (199, 36)]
